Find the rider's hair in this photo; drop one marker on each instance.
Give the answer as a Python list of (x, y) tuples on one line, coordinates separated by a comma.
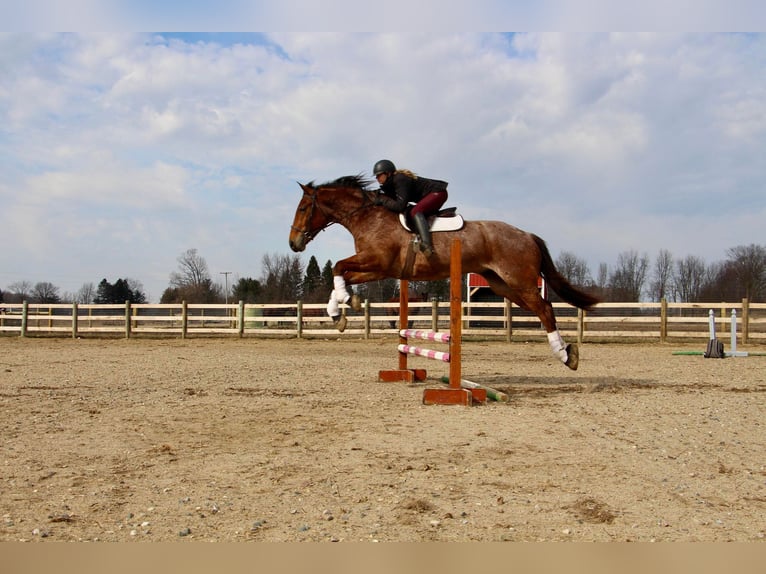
[(408, 173)]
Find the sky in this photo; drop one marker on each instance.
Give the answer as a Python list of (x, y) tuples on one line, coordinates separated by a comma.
[(120, 150)]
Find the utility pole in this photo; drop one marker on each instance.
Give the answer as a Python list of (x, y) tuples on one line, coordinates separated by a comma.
[(226, 293)]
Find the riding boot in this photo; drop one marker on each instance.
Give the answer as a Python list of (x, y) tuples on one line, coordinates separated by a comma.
[(421, 224)]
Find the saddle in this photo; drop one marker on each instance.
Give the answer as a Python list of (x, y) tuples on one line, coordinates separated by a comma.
[(445, 220)]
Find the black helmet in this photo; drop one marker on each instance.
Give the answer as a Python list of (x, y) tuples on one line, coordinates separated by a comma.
[(383, 166)]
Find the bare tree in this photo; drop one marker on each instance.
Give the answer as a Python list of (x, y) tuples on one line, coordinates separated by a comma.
[(721, 283), (192, 282), (45, 292), (663, 275), (574, 268), (282, 278), (603, 276), (192, 270), (19, 291), (627, 280), (689, 278), (749, 265), (86, 293)]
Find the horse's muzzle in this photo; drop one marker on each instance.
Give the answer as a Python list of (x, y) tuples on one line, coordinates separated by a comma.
[(297, 241)]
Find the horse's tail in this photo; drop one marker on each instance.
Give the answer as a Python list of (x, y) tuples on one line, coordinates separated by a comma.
[(559, 283)]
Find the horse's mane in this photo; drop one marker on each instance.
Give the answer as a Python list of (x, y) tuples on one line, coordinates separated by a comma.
[(354, 181)]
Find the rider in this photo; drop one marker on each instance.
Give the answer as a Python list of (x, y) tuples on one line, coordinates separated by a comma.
[(401, 187)]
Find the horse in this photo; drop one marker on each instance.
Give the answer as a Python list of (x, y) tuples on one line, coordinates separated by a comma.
[(509, 258)]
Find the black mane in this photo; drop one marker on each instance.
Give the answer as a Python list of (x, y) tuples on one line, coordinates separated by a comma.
[(356, 181)]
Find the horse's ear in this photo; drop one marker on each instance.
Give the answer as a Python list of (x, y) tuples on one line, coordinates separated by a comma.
[(306, 187)]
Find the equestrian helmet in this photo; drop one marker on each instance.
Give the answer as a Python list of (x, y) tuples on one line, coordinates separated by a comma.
[(383, 166)]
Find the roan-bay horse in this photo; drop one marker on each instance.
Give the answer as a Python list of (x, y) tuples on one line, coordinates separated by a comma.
[(507, 257)]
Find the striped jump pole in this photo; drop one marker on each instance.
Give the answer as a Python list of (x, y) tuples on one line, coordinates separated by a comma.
[(455, 394)]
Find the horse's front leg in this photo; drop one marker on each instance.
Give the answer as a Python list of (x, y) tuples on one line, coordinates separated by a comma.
[(352, 270)]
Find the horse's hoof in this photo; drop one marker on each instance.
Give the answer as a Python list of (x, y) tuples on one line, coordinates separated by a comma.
[(573, 357), (341, 323), (355, 302)]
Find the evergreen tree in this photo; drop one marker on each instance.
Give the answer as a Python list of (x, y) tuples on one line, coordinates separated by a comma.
[(327, 277), (119, 292), (248, 290), (312, 282)]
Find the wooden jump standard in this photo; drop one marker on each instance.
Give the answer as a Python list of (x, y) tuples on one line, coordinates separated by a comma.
[(455, 394)]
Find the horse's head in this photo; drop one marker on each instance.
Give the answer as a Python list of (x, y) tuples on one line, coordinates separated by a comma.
[(325, 204), (308, 220)]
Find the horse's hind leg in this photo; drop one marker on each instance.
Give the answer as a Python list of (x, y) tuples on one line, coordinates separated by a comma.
[(568, 354), (530, 299)]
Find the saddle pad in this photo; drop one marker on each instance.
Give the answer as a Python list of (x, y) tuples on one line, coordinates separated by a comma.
[(452, 223)]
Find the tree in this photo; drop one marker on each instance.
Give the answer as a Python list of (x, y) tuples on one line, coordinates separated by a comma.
[(748, 262), (603, 276), (192, 270), (663, 275), (192, 282), (19, 291), (573, 268), (247, 290), (119, 292), (627, 280), (719, 284), (312, 283), (377, 291), (327, 285), (44, 292), (689, 278), (282, 278), (137, 289), (86, 293)]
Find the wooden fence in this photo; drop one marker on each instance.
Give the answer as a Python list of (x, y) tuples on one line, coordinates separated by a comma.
[(653, 321)]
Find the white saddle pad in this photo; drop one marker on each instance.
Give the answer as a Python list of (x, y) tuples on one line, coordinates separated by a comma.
[(438, 223)]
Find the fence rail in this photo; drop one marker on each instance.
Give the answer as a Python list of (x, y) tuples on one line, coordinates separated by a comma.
[(660, 321)]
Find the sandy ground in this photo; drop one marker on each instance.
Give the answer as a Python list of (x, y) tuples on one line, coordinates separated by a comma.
[(295, 440)]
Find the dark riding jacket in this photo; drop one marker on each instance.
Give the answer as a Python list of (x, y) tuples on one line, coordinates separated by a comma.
[(400, 189)]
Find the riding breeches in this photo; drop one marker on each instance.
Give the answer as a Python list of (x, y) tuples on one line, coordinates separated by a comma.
[(430, 204)]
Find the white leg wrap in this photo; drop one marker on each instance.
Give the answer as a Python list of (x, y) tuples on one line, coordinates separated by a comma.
[(333, 309), (557, 345), (339, 293)]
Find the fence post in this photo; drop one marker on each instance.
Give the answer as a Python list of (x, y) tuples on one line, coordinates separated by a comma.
[(74, 320), (580, 325), (24, 318), (184, 319), (745, 320), (434, 315), (241, 319), (127, 319), (508, 321), (663, 320), (299, 321)]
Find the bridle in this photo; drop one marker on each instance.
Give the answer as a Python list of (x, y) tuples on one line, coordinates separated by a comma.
[(330, 218), (307, 234)]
